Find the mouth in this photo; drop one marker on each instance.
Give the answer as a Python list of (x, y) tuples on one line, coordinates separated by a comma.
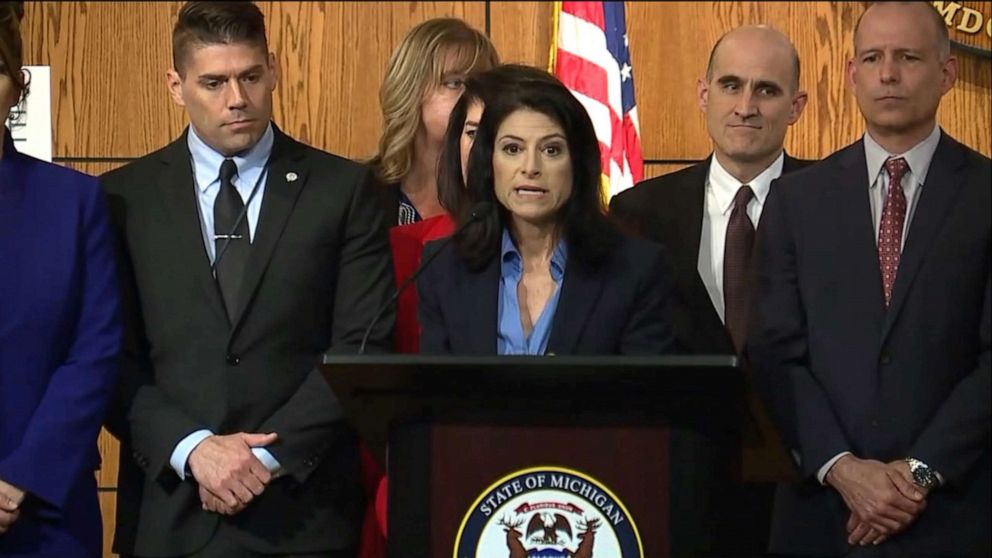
[(891, 98), (745, 126), (239, 123), (530, 191)]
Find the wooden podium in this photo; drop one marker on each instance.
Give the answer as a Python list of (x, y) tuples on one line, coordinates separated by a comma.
[(519, 457)]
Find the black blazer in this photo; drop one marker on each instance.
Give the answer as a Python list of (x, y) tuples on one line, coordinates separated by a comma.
[(842, 373), (622, 307), (669, 210), (319, 268)]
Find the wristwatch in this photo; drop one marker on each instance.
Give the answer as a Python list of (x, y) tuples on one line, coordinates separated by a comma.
[(923, 475)]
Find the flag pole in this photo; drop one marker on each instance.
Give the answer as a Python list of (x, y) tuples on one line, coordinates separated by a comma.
[(552, 51)]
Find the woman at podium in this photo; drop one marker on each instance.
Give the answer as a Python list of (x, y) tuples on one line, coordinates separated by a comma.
[(535, 266)]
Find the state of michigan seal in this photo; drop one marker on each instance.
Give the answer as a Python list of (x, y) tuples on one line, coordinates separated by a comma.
[(548, 512)]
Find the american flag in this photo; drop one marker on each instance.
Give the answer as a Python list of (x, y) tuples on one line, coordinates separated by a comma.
[(589, 54)]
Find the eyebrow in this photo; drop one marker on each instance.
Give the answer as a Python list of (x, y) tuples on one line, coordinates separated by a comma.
[(878, 50), (223, 77), (545, 138), (723, 80)]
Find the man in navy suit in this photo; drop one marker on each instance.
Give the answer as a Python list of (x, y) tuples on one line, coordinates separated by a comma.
[(870, 336)]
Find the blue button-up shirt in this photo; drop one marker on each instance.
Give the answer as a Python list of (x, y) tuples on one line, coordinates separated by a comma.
[(510, 338), (251, 172)]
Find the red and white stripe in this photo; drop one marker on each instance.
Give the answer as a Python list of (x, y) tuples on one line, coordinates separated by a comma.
[(585, 65)]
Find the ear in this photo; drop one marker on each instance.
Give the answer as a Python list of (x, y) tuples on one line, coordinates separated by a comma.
[(274, 67), (949, 74), (702, 93), (174, 82), (798, 105), (852, 70)]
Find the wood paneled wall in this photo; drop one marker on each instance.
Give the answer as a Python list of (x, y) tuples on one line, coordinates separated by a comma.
[(110, 104)]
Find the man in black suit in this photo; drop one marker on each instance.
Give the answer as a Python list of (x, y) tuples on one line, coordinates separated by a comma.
[(246, 255), (871, 331), (749, 96), (705, 216)]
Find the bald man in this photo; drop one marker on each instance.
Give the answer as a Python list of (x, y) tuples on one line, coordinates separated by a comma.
[(871, 331), (706, 216)]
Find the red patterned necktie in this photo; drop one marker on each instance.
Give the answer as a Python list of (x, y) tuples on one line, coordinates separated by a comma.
[(736, 261), (891, 225)]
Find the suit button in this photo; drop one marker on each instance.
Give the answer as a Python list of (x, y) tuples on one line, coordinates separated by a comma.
[(886, 359), (309, 462), (233, 359)]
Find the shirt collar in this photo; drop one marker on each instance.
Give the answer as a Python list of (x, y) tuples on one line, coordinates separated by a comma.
[(918, 158), (724, 186), (207, 161), (509, 255)]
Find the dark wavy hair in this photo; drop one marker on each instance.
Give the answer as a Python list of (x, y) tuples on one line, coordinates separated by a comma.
[(480, 87), (11, 47), (582, 218)]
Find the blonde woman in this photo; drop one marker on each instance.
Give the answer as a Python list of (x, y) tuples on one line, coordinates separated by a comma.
[(424, 79)]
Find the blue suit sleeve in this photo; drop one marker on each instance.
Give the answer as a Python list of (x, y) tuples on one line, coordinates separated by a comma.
[(778, 347), (57, 447)]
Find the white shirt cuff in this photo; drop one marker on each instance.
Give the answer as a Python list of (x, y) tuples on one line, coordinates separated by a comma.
[(180, 455), (821, 475), (270, 462)]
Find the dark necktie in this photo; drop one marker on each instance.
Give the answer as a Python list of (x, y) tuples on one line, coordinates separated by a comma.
[(736, 262), (231, 244), (891, 225)]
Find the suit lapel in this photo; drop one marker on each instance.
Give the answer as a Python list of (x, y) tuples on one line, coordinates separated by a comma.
[(855, 229), (178, 190), (579, 292), (690, 223), (943, 182), (478, 302), (285, 178), (690, 230)]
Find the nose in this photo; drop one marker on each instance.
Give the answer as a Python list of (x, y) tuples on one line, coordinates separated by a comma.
[(237, 98), (745, 107), (531, 164), (888, 71)]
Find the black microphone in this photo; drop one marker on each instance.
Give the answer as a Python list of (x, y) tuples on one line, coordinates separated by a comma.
[(479, 211)]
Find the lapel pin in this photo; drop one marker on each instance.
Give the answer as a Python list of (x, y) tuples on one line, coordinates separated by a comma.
[(291, 177)]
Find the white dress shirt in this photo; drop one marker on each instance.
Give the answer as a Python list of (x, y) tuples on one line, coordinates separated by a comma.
[(721, 187), (918, 160)]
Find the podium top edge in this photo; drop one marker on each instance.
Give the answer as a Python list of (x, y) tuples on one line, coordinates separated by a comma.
[(702, 361)]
